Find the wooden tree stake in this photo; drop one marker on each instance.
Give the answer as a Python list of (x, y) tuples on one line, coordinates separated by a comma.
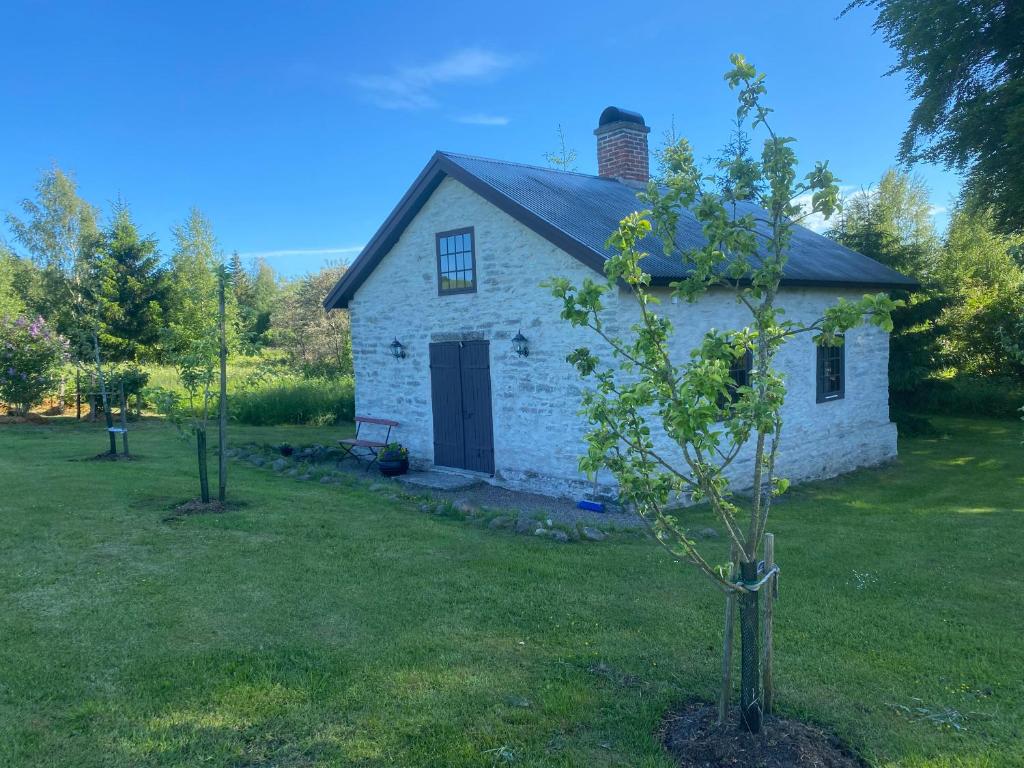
[(767, 682), (730, 623)]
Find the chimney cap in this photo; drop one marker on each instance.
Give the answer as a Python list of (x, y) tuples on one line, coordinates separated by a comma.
[(619, 115)]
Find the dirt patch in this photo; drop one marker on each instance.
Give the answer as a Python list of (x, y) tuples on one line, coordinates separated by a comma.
[(107, 456), (692, 737), (196, 507)]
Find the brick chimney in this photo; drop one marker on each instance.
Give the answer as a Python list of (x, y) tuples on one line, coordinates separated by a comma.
[(622, 145)]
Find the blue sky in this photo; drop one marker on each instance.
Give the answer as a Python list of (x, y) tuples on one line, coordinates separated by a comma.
[(297, 126)]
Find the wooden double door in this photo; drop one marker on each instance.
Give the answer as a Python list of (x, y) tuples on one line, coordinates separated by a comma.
[(460, 385)]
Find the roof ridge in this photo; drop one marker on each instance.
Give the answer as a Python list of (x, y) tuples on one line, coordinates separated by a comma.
[(526, 165)]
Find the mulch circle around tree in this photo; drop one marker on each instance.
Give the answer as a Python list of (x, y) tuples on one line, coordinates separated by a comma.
[(107, 456), (195, 507), (695, 740)]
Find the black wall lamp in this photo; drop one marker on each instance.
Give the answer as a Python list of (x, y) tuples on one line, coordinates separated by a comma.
[(397, 349), (519, 345)]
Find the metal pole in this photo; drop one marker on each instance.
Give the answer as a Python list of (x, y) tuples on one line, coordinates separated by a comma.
[(124, 421), (103, 393), (222, 425)]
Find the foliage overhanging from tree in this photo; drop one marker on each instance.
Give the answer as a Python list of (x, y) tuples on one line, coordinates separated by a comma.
[(964, 60)]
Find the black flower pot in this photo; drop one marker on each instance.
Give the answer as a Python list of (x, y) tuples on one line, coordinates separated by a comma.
[(390, 467), (287, 450)]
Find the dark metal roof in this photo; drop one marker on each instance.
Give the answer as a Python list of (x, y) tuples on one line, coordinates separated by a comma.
[(578, 212)]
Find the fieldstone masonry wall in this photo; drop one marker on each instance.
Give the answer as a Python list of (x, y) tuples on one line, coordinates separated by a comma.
[(538, 434)]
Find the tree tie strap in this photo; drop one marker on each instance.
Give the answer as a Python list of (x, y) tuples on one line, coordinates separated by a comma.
[(756, 585)]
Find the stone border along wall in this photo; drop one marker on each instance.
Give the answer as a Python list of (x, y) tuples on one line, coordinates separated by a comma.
[(311, 464)]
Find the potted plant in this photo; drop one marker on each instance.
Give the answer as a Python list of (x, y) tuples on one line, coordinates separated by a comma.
[(393, 460), (286, 449)]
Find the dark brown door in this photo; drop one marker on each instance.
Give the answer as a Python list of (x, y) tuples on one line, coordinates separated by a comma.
[(460, 383)]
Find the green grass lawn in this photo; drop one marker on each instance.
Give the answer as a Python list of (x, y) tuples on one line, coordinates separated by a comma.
[(320, 626)]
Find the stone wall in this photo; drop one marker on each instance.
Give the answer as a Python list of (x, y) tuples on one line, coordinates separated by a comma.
[(538, 434)]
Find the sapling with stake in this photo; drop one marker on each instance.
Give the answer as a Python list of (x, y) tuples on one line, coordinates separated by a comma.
[(747, 208)]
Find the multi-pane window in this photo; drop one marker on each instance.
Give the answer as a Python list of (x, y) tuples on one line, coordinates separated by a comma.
[(739, 372), (456, 267), (831, 373)]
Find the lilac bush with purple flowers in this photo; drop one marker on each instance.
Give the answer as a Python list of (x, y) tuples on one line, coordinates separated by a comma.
[(31, 356)]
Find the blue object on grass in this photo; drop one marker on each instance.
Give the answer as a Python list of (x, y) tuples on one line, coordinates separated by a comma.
[(593, 506)]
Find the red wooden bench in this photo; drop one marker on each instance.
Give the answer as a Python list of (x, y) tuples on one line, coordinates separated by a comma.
[(370, 448)]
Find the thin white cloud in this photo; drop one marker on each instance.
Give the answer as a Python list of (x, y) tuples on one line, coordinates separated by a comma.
[(816, 222), (481, 119), (938, 210), (344, 251), (412, 87)]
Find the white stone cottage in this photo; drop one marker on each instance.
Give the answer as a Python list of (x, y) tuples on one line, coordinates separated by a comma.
[(454, 337)]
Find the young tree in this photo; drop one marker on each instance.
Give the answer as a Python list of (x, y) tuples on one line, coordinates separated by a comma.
[(316, 342), (709, 417), (983, 284), (260, 296), (964, 63), (564, 158), (191, 341), (129, 289)]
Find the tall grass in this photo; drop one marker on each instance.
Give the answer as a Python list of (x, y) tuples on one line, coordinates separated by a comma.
[(241, 372), (316, 401)]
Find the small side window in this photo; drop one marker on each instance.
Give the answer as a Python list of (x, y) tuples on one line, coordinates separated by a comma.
[(739, 372), (456, 262), (831, 373)]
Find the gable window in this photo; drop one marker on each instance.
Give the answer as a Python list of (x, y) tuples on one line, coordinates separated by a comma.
[(456, 262), (831, 373), (739, 372)]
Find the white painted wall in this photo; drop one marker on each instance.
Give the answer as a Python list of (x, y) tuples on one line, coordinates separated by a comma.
[(538, 435)]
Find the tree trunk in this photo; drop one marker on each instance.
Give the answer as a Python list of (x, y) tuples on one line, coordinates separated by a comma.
[(750, 676), (222, 420), (204, 480)]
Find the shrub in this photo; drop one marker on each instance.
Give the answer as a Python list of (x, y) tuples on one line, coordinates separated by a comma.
[(998, 396), (31, 356), (314, 401), (913, 424)]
